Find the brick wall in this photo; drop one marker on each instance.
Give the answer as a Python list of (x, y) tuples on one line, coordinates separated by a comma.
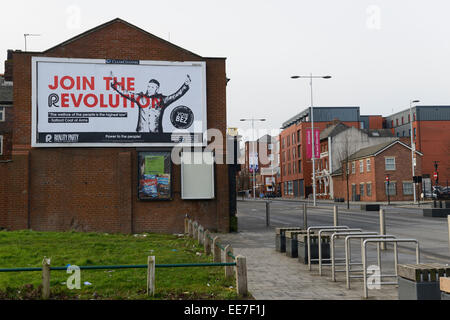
[(377, 174), (95, 189)]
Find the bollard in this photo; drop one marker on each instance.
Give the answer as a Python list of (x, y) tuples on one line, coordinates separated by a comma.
[(228, 269), (448, 218), (335, 216), (207, 242), (151, 276), (241, 276), (382, 228), (305, 217), (217, 254), (45, 278), (267, 213), (186, 225)]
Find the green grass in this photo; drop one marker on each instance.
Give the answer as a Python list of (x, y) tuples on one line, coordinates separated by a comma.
[(28, 248)]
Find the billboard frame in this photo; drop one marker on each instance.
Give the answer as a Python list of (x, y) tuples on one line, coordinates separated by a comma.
[(34, 102)]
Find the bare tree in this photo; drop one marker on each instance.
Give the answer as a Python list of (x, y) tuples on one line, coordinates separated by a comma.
[(344, 150)]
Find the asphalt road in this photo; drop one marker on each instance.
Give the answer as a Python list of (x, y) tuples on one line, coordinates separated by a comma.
[(432, 233)]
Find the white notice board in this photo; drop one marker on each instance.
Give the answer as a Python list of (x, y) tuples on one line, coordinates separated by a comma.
[(197, 175)]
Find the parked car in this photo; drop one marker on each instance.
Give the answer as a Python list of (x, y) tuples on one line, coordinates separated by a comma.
[(443, 193)]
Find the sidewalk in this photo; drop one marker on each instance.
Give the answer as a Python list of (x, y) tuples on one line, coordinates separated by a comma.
[(274, 276)]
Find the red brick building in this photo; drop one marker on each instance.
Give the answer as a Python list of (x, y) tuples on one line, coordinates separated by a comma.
[(431, 135), (367, 171), (94, 188), (295, 168)]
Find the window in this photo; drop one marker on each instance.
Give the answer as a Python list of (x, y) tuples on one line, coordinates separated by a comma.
[(284, 142), (293, 138), (2, 114), (414, 133), (290, 187), (293, 167), (353, 167), (288, 140), (402, 120), (361, 189), (369, 189), (298, 136), (361, 166), (392, 188), (408, 188), (392, 123), (1, 145), (389, 163), (270, 146), (368, 165), (396, 121), (299, 166), (285, 188), (299, 154), (293, 153), (289, 154), (289, 168)]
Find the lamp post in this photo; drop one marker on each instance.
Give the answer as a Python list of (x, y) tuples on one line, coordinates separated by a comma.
[(413, 147), (310, 77), (253, 138)]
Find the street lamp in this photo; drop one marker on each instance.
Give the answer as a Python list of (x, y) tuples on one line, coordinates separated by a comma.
[(413, 147), (253, 138), (310, 77)]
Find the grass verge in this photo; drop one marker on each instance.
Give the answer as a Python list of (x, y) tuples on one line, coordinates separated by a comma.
[(28, 248)]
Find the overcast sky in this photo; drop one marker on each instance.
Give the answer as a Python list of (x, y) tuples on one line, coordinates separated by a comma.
[(380, 54)]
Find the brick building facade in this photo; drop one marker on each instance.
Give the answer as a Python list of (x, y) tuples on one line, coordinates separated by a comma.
[(94, 189), (367, 171)]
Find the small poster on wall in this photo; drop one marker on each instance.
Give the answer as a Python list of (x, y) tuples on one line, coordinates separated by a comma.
[(154, 176)]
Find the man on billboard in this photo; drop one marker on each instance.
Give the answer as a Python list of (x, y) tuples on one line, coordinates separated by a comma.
[(151, 103)]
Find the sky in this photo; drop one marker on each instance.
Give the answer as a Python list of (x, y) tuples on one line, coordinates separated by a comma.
[(380, 54)]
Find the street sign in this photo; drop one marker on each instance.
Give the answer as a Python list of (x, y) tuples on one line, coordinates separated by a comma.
[(435, 175), (387, 178)]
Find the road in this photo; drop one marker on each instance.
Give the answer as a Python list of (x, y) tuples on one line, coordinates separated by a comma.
[(432, 233)]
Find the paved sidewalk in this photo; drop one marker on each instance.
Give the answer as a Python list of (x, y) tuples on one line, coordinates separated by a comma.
[(273, 275)]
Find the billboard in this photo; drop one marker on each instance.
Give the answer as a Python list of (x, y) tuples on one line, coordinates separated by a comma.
[(105, 102)]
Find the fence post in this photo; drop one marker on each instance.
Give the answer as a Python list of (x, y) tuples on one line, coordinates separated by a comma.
[(216, 250), (200, 234), (228, 259), (382, 228), (191, 229), (241, 276), (335, 216), (305, 216), (267, 213), (45, 278), (151, 276), (195, 230), (186, 225), (207, 243)]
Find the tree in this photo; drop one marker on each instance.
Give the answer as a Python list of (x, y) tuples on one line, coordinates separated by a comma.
[(345, 149)]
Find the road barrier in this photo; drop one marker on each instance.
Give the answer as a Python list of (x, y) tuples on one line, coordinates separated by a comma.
[(308, 240), (381, 239), (348, 256), (321, 232), (395, 242), (334, 236)]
